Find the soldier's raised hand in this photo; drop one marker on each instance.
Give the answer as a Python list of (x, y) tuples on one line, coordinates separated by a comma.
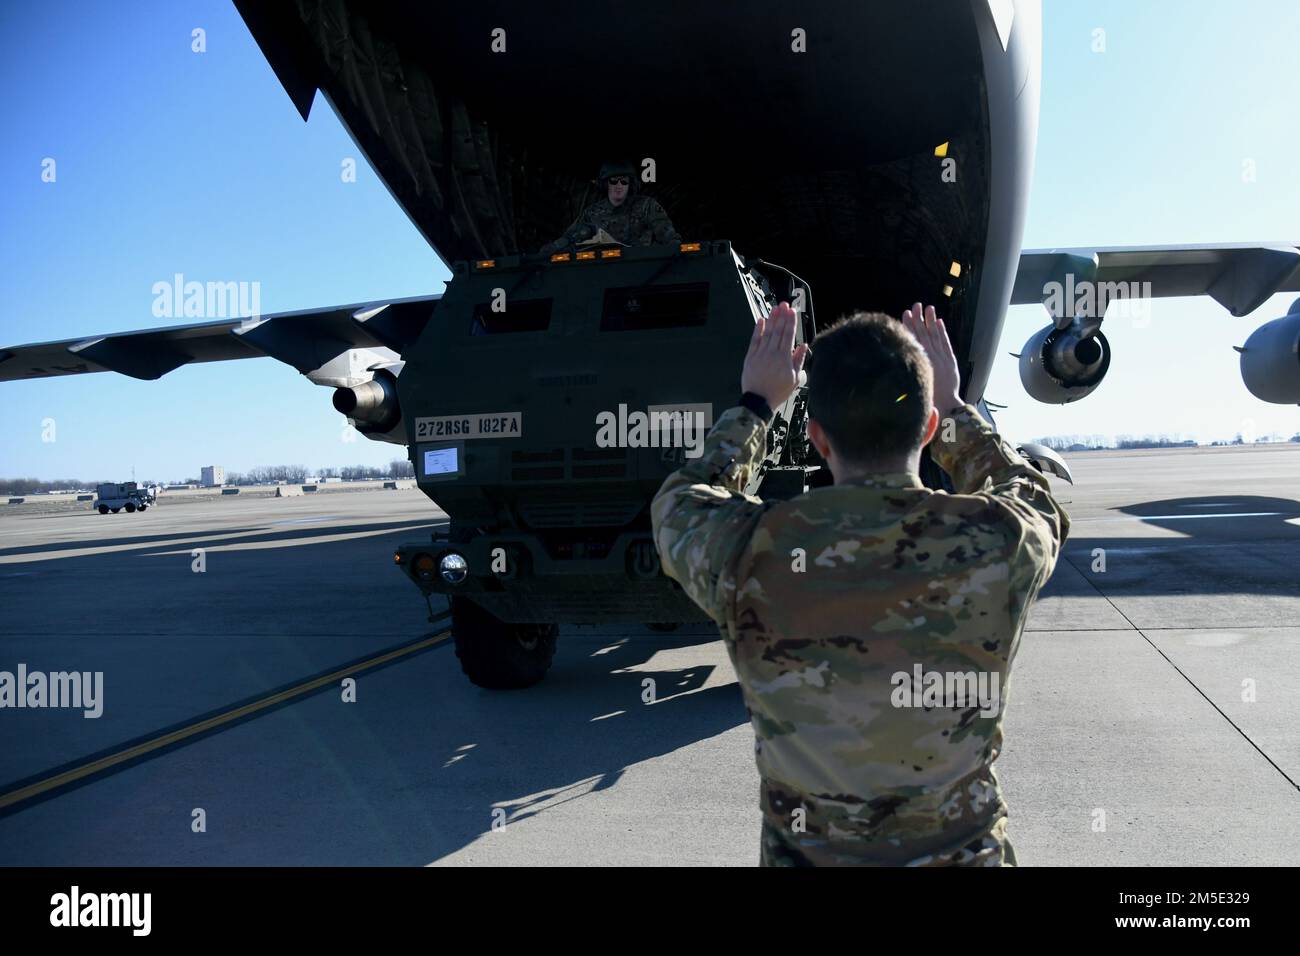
[(933, 336), (773, 365)]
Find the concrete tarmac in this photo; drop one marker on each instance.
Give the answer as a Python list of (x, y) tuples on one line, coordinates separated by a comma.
[(1151, 716)]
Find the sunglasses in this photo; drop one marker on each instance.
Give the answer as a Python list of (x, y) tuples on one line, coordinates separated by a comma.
[(619, 181)]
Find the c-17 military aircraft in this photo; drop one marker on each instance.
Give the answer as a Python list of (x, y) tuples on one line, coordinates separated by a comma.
[(881, 153)]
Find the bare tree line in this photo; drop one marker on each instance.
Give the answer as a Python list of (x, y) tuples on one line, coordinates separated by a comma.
[(31, 486), (297, 474)]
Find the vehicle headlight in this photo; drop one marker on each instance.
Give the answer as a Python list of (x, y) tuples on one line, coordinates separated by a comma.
[(453, 568)]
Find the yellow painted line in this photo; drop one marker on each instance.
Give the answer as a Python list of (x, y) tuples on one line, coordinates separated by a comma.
[(183, 733)]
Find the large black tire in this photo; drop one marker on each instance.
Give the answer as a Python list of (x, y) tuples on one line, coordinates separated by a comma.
[(116, 510), (497, 655), (103, 509), (142, 507), (130, 507)]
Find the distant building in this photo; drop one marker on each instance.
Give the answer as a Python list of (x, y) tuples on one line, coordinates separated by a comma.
[(212, 476)]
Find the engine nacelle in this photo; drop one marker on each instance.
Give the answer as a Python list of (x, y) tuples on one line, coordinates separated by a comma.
[(1270, 360), (1063, 365), (373, 408)]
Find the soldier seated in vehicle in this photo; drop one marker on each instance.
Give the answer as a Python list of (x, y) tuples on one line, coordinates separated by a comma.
[(623, 214)]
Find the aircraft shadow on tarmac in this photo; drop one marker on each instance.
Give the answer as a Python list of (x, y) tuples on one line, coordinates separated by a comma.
[(422, 772), (447, 761), (1227, 544), (262, 533), (175, 645)]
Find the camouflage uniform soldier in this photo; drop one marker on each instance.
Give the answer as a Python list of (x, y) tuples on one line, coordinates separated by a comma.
[(872, 623), (632, 219)]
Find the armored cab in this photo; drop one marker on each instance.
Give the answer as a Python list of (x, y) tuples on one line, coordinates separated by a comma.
[(545, 403)]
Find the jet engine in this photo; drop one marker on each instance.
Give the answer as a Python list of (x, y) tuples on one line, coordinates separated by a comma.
[(1270, 360), (1060, 365), (373, 406)]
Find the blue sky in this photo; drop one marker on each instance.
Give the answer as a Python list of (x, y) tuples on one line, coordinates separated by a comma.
[(1144, 145), (173, 161)]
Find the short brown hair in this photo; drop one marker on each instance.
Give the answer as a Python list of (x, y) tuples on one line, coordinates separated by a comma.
[(870, 386)]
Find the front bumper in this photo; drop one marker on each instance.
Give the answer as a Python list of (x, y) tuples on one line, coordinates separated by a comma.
[(524, 579)]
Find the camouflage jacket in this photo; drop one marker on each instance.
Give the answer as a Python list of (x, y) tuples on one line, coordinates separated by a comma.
[(872, 626), (637, 221)]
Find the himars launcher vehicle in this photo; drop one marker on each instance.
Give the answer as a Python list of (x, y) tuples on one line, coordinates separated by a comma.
[(879, 152), (544, 430)]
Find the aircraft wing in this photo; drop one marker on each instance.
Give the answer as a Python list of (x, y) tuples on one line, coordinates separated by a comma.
[(337, 346), (1238, 277)]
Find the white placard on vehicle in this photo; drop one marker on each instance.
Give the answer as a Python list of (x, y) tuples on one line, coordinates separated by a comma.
[(442, 461)]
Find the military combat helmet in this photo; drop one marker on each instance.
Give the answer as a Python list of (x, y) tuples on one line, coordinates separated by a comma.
[(619, 169)]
